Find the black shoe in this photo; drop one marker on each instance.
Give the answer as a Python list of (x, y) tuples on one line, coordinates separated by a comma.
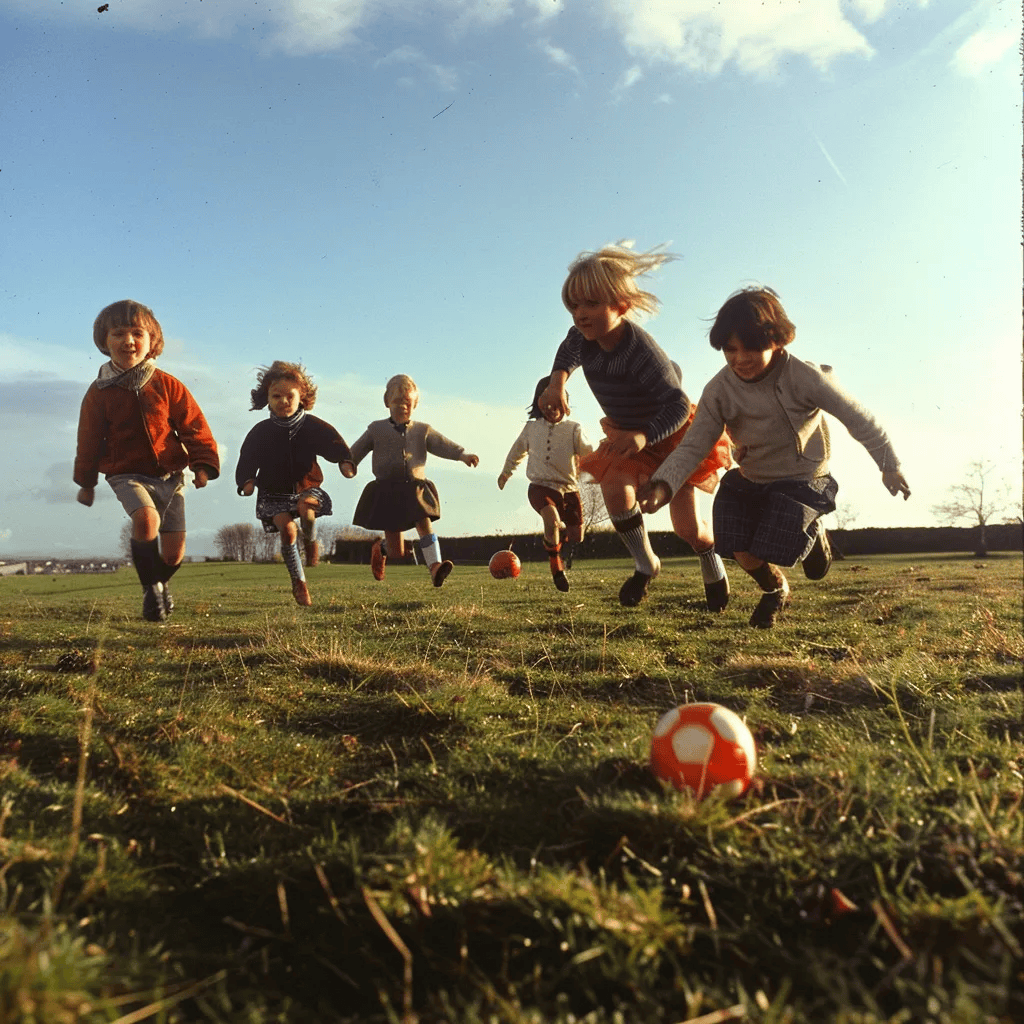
[(440, 572), (770, 607), (717, 594), (165, 593), (561, 583), (818, 560), (634, 590), (153, 603)]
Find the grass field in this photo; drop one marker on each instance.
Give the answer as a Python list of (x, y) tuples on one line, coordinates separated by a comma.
[(415, 804)]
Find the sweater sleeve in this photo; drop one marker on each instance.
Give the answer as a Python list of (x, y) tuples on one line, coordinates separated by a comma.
[(519, 450), (193, 431), (439, 445), (361, 448), (330, 445), (862, 425), (568, 355), (248, 459), (659, 376), (91, 439), (697, 443)]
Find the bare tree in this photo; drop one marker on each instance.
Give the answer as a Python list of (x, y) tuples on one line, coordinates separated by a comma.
[(236, 543), (845, 515), (594, 511), (124, 541), (975, 500), (266, 545)]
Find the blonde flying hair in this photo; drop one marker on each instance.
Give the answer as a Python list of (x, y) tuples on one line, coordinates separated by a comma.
[(294, 373), (609, 274)]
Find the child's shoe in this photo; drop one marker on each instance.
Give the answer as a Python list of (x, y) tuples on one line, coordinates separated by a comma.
[(818, 560), (165, 593), (440, 571), (377, 559), (716, 582), (634, 590), (312, 549), (561, 583), (770, 607), (153, 603), (301, 593)]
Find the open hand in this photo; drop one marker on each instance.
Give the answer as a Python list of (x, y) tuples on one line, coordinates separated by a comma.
[(470, 460)]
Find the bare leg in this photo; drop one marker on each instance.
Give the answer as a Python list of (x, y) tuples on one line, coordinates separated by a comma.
[(690, 525)]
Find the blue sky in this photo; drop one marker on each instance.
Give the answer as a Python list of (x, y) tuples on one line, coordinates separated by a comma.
[(383, 186)]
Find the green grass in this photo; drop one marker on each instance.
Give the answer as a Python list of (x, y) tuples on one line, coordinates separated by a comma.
[(418, 804)]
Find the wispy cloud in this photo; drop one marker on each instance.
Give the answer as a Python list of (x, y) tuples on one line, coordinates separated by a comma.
[(983, 49), (702, 35), (444, 77), (556, 55)]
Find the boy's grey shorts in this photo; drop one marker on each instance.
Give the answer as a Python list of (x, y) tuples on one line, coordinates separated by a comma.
[(166, 494)]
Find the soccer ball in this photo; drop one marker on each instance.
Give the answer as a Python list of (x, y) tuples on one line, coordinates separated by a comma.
[(504, 565), (703, 747)]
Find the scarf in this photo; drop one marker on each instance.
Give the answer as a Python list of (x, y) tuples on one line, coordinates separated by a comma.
[(134, 379), (290, 423)]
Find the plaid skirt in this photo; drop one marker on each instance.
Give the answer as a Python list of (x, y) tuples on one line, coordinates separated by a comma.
[(269, 505), (773, 521)]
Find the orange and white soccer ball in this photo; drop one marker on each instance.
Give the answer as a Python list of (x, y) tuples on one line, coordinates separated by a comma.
[(701, 747), (505, 565)]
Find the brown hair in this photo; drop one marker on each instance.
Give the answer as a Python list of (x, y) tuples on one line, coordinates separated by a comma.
[(294, 373), (756, 317), (127, 313)]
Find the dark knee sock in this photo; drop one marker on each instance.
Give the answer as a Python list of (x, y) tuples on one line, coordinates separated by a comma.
[(768, 577), (146, 556)]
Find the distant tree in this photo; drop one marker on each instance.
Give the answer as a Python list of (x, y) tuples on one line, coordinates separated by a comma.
[(845, 515), (266, 545), (236, 543), (124, 540), (594, 511), (976, 501)]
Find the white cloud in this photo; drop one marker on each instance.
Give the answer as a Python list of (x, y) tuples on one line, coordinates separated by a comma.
[(444, 77), (702, 35), (559, 57), (983, 49), (705, 35)]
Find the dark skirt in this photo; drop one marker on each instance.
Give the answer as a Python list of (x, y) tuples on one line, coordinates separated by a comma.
[(396, 505), (773, 521), (269, 505)]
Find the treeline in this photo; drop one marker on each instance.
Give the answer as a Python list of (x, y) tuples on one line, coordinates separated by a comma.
[(603, 543)]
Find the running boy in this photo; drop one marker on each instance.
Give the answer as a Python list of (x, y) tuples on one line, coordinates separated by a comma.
[(141, 428), (766, 511)]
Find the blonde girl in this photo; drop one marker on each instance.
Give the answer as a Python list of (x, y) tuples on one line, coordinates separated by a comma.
[(646, 410), (400, 497)]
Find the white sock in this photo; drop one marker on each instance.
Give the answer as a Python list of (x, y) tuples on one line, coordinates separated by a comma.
[(711, 567), (431, 548), (630, 527)]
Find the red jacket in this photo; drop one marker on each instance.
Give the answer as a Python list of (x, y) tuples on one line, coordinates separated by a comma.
[(160, 430)]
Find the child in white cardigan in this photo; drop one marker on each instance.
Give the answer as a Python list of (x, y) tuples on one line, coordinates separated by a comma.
[(555, 446), (766, 513)]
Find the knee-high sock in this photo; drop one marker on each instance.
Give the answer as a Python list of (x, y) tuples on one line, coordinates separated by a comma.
[(554, 556), (146, 556), (630, 527), (290, 554), (431, 548)]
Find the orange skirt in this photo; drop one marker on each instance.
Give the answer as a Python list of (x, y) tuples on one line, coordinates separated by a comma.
[(642, 465)]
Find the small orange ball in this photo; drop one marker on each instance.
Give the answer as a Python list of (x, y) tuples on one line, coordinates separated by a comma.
[(505, 565)]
